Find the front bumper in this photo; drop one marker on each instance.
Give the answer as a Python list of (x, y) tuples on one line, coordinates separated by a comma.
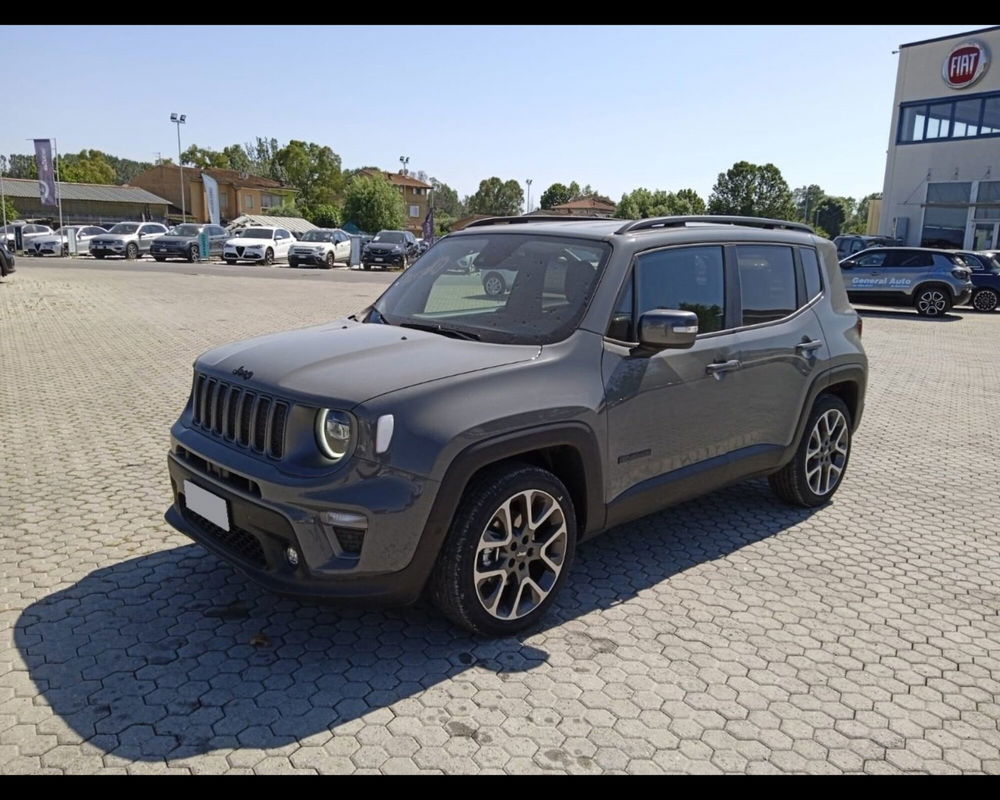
[(108, 250), (390, 260), (309, 259), (232, 255), (964, 298), (267, 517)]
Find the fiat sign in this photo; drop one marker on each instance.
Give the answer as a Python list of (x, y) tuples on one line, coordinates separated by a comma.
[(965, 64)]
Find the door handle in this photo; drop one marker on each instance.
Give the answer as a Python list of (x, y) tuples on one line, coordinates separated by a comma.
[(808, 346), (716, 368)]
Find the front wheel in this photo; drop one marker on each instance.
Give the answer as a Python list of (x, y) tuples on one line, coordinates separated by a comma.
[(330, 260), (814, 474), (508, 551), (98, 255), (230, 261), (131, 252), (268, 257), (193, 253), (494, 284), (159, 258), (934, 301), (985, 300)]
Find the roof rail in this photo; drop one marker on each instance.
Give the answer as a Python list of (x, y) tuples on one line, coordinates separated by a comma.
[(680, 222), (479, 223)]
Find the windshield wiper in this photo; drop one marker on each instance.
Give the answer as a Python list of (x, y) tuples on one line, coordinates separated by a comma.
[(452, 332)]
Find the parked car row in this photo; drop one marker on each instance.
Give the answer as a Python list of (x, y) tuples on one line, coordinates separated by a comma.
[(928, 279)]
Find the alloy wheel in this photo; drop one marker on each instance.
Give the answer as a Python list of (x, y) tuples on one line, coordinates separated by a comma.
[(520, 554), (932, 303), (826, 455), (985, 300)]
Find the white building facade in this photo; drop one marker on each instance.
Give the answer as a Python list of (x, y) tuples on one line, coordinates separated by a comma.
[(942, 175)]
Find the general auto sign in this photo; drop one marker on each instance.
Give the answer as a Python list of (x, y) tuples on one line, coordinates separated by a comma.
[(965, 64)]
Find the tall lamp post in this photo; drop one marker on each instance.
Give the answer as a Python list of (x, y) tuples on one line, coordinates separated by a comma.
[(404, 160), (178, 120), (527, 206), (3, 196)]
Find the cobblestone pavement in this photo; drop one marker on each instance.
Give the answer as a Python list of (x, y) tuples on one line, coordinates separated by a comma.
[(730, 634)]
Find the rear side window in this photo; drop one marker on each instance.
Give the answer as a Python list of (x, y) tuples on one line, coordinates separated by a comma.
[(908, 259), (767, 282), (872, 260), (810, 271), (686, 279)]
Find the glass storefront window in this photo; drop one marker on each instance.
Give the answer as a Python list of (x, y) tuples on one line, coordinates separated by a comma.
[(989, 192), (950, 192)]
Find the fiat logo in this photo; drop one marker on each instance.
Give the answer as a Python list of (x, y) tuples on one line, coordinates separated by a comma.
[(965, 64)]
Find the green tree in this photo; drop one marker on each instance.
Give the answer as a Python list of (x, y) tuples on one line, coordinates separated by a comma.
[(446, 200), (286, 209), (373, 204), (642, 203), (21, 166), (807, 200), (8, 210), (555, 195), (87, 166), (313, 169), (200, 157), (496, 197), (262, 157), (751, 190), (830, 216), (323, 215)]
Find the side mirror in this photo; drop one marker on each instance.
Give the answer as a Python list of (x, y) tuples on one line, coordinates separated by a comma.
[(849, 263), (660, 329)]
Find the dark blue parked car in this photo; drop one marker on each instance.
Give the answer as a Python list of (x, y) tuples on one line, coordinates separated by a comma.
[(985, 277)]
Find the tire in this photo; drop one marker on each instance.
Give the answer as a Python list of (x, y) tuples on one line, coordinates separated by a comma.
[(366, 266), (494, 284), (330, 260), (406, 263), (932, 301), (453, 586), (826, 445), (131, 251), (268, 257), (293, 263), (985, 300), (98, 255), (193, 253), (230, 261), (161, 258)]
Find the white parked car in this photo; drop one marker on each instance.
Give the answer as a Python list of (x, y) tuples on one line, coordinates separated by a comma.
[(128, 239), (258, 245), (29, 231), (57, 244), (320, 248)]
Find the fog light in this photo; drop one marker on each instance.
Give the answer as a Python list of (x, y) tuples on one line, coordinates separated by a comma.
[(292, 556), (344, 519)]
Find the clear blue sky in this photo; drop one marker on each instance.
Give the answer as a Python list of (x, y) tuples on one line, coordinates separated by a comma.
[(663, 107)]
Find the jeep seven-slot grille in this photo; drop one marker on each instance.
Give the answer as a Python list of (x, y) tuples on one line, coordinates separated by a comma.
[(249, 419)]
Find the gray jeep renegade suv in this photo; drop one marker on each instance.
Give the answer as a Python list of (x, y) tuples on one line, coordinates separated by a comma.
[(449, 439)]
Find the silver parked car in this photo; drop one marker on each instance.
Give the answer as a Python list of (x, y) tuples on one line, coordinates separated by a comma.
[(127, 239), (57, 244)]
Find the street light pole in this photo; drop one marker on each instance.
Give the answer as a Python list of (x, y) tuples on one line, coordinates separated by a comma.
[(527, 206), (178, 120), (3, 196)]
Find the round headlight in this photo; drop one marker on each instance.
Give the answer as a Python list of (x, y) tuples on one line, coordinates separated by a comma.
[(333, 433)]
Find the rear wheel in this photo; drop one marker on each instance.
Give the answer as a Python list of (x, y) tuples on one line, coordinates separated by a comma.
[(985, 300), (508, 551), (932, 301), (814, 474), (494, 284)]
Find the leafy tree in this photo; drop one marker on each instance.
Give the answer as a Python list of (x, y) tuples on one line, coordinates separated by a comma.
[(643, 203), (497, 197), (574, 191), (21, 166), (88, 166), (446, 200), (8, 210), (200, 157), (807, 200), (262, 155), (237, 158), (858, 221), (313, 169), (323, 215), (555, 195), (286, 209), (751, 190), (373, 204), (830, 216)]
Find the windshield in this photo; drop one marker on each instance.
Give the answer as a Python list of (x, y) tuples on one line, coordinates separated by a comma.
[(317, 236), (500, 287), (184, 230), (256, 233), (392, 237), (125, 227)]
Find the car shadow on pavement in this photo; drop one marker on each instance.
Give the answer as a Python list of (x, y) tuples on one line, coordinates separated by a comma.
[(175, 654), (907, 316)]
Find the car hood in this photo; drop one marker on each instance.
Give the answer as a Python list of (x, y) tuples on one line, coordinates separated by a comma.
[(164, 239), (350, 362), (115, 237), (311, 245), (385, 245), (248, 242)]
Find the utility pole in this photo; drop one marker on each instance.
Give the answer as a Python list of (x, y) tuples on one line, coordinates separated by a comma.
[(3, 197), (55, 148), (178, 120), (527, 206)]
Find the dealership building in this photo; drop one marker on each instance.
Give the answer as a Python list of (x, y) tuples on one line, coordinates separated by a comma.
[(942, 174)]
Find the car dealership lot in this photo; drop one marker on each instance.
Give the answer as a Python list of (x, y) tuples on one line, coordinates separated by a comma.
[(728, 634)]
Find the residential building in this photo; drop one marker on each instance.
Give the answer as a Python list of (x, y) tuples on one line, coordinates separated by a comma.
[(940, 190), (86, 203), (416, 197), (239, 192)]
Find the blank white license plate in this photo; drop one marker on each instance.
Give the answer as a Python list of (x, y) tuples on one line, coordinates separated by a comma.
[(380, 259), (207, 505)]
